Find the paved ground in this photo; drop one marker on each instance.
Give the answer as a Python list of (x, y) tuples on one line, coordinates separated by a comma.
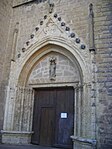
[(3, 146)]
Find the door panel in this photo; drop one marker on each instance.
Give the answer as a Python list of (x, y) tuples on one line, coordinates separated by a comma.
[(53, 117), (47, 126), (64, 124), (44, 98)]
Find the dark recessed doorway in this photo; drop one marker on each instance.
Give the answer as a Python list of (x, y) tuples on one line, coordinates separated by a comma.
[(53, 118)]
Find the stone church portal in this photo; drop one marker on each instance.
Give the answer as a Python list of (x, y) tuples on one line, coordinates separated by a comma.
[(55, 73)]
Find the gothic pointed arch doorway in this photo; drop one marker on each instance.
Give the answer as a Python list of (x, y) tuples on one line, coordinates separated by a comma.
[(33, 71), (53, 116)]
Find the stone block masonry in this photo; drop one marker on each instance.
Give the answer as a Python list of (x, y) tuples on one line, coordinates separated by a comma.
[(75, 14), (5, 17), (103, 37)]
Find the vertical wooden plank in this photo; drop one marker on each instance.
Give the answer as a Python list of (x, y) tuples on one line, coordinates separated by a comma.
[(47, 126)]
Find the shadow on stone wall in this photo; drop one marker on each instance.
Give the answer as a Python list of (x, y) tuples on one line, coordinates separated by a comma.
[(105, 129)]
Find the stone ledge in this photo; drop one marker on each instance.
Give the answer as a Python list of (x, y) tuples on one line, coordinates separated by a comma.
[(16, 137), (15, 132), (83, 143)]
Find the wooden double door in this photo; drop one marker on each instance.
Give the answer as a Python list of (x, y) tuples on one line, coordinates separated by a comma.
[(53, 118)]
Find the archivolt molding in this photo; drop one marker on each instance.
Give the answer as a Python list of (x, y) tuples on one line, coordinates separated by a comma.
[(53, 31), (53, 26), (42, 48)]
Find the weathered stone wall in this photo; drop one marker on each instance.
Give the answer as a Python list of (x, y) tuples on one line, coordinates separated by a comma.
[(5, 16), (103, 40), (32, 17), (75, 14)]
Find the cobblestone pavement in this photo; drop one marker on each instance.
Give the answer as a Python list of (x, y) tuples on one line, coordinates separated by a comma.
[(4, 146)]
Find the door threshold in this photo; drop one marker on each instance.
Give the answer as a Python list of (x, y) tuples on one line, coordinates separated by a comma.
[(47, 147)]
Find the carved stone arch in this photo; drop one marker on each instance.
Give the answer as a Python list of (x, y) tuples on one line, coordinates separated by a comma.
[(21, 71), (41, 48), (37, 57)]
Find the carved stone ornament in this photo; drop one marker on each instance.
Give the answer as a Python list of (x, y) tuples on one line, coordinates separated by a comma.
[(52, 68), (51, 28)]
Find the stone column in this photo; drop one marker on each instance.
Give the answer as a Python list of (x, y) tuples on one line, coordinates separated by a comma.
[(9, 108), (78, 110), (82, 122), (80, 116), (18, 117), (23, 109), (75, 109), (93, 95)]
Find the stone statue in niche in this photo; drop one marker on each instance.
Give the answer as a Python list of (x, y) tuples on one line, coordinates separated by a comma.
[(52, 70)]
